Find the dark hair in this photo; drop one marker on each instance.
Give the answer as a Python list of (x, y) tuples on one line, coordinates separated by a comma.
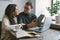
[(9, 12), (29, 4)]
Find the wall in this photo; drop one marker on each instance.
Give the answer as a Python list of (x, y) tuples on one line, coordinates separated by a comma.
[(40, 7), (3, 5)]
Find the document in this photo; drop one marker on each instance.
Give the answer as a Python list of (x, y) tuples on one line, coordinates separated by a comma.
[(21, 34)]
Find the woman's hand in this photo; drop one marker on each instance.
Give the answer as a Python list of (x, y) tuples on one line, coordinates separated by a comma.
[(18, 26)]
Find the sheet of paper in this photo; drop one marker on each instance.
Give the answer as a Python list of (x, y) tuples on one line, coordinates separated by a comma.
[(21, 33)]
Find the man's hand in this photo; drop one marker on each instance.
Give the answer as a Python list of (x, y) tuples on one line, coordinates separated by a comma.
[(32, 24)]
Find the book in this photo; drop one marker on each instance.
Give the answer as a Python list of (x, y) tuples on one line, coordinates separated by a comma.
[(26, 34)]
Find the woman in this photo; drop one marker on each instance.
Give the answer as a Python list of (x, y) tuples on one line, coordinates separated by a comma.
[(9, 21)]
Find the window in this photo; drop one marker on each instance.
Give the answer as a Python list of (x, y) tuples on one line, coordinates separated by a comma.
[(41, 7), (53, 1)]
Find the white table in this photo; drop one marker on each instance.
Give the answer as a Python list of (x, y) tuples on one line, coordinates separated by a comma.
[(55, 25)]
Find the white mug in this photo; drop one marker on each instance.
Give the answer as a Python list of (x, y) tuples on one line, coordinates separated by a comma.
[(58, 19)]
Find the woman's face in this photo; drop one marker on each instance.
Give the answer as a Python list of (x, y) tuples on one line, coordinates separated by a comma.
[(16, 11)]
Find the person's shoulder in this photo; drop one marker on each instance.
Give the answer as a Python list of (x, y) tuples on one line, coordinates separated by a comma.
[(5, 16), (21, 13), (32, 14)]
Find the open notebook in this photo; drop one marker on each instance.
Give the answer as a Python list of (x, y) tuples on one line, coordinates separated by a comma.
[(26, 34)]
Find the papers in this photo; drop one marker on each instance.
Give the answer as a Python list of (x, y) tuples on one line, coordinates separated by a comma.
[(21, 33)]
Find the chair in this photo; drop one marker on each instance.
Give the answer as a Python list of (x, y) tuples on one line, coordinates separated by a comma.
[(0, 26)]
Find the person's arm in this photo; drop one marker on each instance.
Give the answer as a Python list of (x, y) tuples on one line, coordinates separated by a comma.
[(20, 20), (30, 25), (8, 26), (25, 27)]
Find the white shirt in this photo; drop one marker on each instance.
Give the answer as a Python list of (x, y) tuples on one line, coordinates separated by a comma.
[(6, 24)]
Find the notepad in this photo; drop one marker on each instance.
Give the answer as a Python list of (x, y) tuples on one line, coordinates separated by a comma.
[(21, 34)]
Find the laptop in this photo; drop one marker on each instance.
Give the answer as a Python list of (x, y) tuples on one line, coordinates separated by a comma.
[(40, 18), (44, 27)]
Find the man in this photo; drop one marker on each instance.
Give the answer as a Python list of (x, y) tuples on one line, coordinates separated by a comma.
[(27, 17)]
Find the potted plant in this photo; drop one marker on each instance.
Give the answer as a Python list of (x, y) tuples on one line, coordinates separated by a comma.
[(54, 9)]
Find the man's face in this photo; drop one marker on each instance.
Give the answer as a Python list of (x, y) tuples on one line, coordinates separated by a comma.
[(27, 9)]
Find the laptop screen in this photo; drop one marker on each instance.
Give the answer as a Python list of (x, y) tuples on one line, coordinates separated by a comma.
[(40, 19)]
